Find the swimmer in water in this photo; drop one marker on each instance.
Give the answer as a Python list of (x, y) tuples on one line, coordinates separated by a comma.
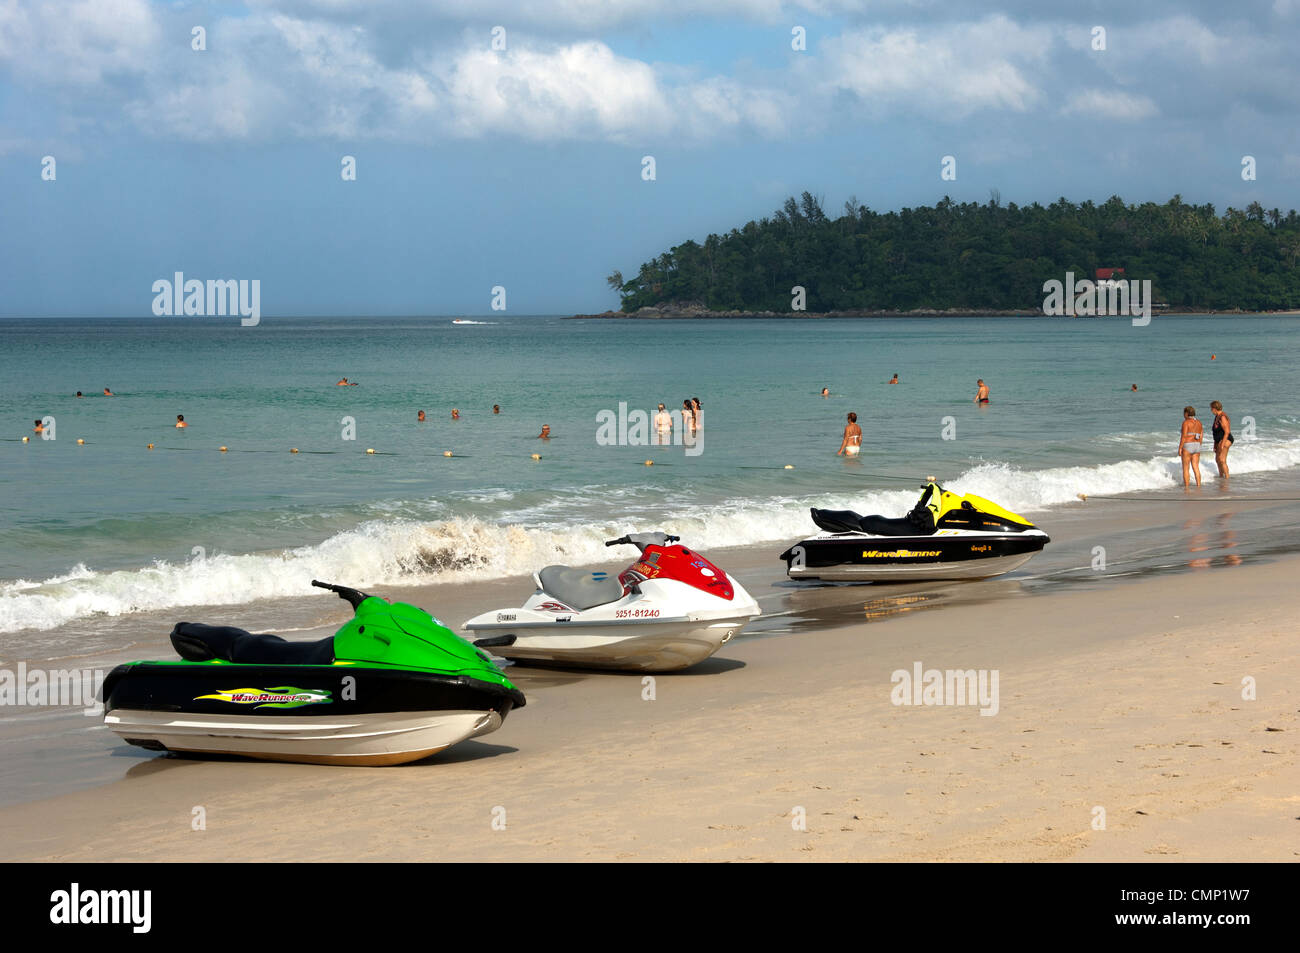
[(894, 379), (78, 393), (420, 416), (38, 428), (1134, 388), (455, 414), (546, 432), (852, 442), (496, 408), (699, 412), (346, 383), (108, 393), (180, 422), (826, 392), (982, 395)]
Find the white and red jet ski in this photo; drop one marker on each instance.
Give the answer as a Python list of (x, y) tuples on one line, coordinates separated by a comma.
[(669, 610)]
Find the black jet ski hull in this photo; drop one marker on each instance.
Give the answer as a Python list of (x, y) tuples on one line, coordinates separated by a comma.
[(854, 557), (322, 714)]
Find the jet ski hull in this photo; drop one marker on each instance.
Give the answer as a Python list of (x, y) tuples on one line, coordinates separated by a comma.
[(653, 646), (854, 557), (328, 714)]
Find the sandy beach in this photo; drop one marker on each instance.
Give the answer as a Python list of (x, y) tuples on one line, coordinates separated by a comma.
[(788, 749)]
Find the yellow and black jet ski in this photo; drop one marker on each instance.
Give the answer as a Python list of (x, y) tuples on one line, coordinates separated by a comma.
[(945, 536)]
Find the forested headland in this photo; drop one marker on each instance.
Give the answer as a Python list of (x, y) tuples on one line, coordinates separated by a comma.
[(971, 256)]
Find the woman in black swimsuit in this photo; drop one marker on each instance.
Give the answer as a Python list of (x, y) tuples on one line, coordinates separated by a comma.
[(1223, 437)]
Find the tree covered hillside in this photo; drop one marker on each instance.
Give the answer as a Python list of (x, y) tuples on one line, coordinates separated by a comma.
[(973, 256)]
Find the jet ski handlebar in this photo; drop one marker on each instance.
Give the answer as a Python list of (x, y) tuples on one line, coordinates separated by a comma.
[(642, 540), (353, 597)]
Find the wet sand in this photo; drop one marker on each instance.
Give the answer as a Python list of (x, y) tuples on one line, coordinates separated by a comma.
[(1121, 697)]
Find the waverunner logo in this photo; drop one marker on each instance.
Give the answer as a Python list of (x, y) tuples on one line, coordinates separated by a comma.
[(896, 553), (951, 687), (283, 696)]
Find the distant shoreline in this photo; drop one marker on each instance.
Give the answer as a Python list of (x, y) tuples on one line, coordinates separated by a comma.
[(677, 314)]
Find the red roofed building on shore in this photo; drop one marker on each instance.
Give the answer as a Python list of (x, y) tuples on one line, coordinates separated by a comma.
[(1110, 274)]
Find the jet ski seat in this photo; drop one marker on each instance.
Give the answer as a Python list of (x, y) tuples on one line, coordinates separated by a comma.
[(196, 642), (847, 521), (579, 588)]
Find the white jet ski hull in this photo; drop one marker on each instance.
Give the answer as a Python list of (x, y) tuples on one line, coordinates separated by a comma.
[(364, 739)]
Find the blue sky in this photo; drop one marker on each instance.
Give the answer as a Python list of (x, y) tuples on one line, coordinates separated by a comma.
[(521, 167)]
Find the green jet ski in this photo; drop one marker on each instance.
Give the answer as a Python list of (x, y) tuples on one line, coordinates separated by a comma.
[(392, 685)]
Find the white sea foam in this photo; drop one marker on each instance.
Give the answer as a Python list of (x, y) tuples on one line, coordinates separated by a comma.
[(405, 551)]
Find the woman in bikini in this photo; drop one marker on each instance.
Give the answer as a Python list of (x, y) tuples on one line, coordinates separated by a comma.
[(1223, 438), (851, 444), (1189, 443), (688, 417)]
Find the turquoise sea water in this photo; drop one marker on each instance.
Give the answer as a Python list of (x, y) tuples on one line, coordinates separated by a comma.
[(110, 528)]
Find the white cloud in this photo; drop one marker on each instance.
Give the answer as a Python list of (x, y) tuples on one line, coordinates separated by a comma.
[(77, 42), (579, 89), (944, 70), (345, 70), (1109, 104)]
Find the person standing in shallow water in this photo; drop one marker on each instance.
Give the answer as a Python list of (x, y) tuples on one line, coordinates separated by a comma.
[(1189, 444), (688, 417), (982, 394), (851, 444), (1223, 438), (663, 426)]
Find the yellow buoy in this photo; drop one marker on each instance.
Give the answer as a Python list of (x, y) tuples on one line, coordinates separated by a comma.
[(222, 449), (789, 466), (649, 463), (293, 449), (371, 450), (1082, 496), (537, 456), (448, 453), (25, 439), (150, 447), (80, 441)]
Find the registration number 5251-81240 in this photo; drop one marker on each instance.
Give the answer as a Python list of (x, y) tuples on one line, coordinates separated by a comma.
[(636, 613)]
